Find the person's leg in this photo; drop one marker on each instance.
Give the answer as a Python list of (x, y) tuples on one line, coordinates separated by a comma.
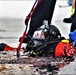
[(69, 20), (43, 12), (73, 26)]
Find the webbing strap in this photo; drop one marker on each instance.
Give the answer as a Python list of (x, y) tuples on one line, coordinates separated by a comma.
[(65, 51), (32, 10)]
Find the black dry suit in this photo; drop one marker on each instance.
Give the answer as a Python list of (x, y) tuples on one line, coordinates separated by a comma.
[(44, 11)]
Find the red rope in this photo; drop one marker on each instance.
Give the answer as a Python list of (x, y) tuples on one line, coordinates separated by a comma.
[(26, 23), (32, 11)]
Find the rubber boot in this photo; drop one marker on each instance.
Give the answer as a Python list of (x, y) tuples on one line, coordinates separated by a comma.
[(26, 39), (68, 20)]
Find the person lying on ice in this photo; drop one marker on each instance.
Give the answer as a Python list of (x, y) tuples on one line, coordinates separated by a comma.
[(63, 48)]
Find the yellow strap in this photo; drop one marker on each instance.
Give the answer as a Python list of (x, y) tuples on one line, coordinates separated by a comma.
[(72, 10), (65, 41), (34, 53)]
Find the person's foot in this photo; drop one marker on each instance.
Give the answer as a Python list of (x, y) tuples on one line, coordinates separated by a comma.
[(2, 46), (26, 39), (68, 20)]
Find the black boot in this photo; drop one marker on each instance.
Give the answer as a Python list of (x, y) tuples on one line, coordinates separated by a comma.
[(2, 46), (26, 39), (68, 20)]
